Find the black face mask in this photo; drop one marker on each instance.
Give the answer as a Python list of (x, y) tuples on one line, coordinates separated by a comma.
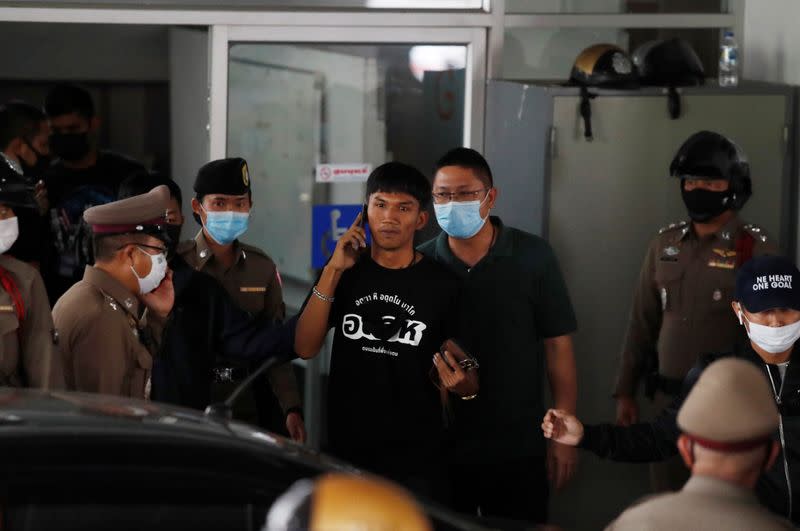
[(174, 233), (70, 146), (37, 169), (705, 205)]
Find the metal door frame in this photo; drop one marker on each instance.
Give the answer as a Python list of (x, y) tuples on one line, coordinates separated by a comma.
[(222, 36)]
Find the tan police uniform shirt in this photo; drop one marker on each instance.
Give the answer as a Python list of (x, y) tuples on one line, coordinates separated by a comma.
[(253, 284), (28, 356), (101, 326), (703, 503), (682, 304)]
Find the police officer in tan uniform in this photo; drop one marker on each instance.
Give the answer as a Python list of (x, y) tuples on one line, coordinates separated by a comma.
[(110, 322), (28, 356), (727, 423), (222, 204), (681, 304)]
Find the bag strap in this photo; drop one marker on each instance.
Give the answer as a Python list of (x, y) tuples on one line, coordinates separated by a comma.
[(744, 248), (10, 285)]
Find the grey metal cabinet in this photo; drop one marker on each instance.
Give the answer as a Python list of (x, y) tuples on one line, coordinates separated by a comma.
[(599, 202)]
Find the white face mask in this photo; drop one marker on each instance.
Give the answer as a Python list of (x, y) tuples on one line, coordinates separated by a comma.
[(158, 270), (773, 339), (9, 232)]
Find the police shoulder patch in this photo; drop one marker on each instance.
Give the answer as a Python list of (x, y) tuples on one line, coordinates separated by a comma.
[(756, 232), (254, 250), (111, 302), (672, 226)]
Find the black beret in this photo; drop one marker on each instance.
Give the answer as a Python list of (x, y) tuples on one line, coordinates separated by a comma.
[(224, 176)]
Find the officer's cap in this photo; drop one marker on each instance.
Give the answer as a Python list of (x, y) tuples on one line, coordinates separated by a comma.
[(767, 282), (224, 176), (730, 408), (16, 191), (145, 214)]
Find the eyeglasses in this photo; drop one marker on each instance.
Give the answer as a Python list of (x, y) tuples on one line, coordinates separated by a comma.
[(155, 247), (140, 245), (458, 197)]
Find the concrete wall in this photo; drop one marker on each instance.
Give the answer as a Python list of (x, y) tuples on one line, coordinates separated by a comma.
[(771, 41), (770, 50), (188, 93)]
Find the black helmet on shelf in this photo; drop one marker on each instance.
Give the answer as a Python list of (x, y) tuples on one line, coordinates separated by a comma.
[(710, 155), (669, 63), (601, 65), (604, 65)]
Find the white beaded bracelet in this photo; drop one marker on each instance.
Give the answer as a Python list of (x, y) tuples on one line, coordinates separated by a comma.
[(321, 296)]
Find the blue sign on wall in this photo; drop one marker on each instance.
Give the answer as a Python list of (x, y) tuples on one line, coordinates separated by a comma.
[(328, 224)]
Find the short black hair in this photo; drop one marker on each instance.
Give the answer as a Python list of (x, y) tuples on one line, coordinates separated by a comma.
[(19, 120), (397, 177), (467, 158), (66, 98), (142, 182), (105, 247)]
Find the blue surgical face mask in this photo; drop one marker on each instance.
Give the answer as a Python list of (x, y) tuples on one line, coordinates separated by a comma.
[(461, 220), (225, 227)]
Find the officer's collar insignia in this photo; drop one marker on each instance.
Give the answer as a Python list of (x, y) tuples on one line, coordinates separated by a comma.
[(724, 253), (721, 264)]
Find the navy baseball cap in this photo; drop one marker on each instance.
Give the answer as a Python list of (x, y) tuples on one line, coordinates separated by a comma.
[(767, 282)]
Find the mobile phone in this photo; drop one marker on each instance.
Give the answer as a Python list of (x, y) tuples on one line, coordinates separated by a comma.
[(363, 215)]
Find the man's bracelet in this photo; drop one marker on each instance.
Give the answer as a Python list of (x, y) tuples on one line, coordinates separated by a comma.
[(321, 296)]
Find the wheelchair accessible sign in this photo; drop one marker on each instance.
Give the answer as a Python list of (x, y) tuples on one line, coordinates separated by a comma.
[(328, 224)]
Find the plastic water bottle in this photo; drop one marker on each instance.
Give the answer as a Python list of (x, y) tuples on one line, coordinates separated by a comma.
[(729, 61)]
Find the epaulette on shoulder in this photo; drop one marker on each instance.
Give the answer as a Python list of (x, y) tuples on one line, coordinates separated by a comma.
[(672, 226), (109, 300), (756, 232), (254, 250)]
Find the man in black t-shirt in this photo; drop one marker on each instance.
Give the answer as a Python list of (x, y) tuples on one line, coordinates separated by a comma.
[(81, 177), (391, 309)]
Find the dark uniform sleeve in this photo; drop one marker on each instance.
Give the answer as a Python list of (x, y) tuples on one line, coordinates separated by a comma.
[(645, 441), (643, 328), (248, 340), (155, 325), (42, 361), (553, 309), (281, 377)]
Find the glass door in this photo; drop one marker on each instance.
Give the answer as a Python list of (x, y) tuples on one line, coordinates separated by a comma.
[(313, 110)]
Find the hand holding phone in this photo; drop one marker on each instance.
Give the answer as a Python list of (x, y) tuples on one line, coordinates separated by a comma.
[(362, 223)]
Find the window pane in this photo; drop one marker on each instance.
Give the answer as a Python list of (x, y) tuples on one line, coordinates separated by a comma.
[(291, 107), (616, 6), (299, 4), (548, 53)]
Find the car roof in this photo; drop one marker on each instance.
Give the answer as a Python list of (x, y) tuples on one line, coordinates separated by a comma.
[(37, 413)]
